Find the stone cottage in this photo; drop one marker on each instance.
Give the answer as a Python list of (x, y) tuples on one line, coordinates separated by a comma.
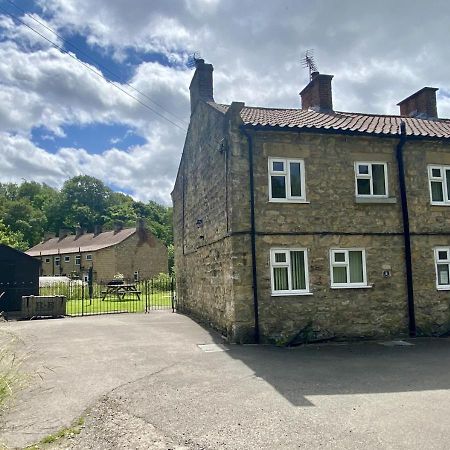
[(133, 252), (309, 223)]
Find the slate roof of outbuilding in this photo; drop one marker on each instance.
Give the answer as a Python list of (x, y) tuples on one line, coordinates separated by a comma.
[(88, 242), (373, 124)]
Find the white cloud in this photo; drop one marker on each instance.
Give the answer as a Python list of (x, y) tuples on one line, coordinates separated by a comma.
[(379, 53)]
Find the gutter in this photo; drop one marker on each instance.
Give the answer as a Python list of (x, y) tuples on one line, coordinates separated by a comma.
[(406, 231), (253, 234)]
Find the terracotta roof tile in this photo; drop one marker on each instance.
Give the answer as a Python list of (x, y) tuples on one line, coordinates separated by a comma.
[(352, 122)]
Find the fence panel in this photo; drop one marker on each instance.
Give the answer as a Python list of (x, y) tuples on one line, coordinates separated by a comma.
[(85, 299)]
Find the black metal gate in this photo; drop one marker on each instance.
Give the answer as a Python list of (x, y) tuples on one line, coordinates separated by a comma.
[(90, 298)]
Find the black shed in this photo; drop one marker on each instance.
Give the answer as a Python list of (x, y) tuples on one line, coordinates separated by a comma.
[(19, 275)]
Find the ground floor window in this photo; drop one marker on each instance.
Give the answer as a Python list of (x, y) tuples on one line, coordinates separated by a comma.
[(289, 271), (348, 268), (442, 263)]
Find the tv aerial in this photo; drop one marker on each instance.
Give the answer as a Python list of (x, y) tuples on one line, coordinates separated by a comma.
[(193, 60), (308, 62)]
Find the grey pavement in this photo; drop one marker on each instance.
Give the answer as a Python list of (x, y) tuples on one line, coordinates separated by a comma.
[(155, 381)]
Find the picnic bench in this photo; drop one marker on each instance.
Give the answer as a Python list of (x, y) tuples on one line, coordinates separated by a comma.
[(120, 290)]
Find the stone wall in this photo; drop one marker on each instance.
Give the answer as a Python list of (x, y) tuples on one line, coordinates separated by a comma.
[(143, 253), (203, 250), (212, 190)]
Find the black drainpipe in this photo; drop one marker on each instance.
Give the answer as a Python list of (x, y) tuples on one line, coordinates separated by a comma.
[(253, 233), (406, 231)]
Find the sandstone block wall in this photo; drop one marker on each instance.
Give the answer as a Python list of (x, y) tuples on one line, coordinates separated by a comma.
[(213, 260)]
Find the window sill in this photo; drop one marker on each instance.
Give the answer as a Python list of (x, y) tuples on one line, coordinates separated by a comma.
[(288, 201), (440, 204), (347, 286), (376, 200), (443, 288), (289, 294)]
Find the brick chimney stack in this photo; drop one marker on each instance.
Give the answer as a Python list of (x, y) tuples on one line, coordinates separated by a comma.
[(317, 94), (201, 86), (421, 104)]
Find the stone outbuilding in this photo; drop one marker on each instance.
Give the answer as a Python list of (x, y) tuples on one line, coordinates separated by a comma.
[(309, 223), (132, 252)]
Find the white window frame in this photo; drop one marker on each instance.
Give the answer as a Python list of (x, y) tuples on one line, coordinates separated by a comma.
[(48, 260), (441, 287), (286, 173), (57, 261), (442, 179), (66, 259), (369, 177), (78, 260), (287, 264), (88, 257), (346, 263)]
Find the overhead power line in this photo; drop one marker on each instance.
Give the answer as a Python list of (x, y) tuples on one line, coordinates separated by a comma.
[(94, 60), (97, 73)]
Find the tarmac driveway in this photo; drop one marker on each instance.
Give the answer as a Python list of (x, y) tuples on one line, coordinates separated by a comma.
[(162, 381)]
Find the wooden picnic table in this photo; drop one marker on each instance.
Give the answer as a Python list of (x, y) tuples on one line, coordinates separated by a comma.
[(121, 290)]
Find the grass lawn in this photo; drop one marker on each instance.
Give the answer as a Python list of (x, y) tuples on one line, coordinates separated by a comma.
[(157, 300)]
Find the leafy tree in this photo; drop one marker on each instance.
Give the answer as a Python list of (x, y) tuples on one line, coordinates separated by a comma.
[(85, 201), (12, 238), (30, 209)]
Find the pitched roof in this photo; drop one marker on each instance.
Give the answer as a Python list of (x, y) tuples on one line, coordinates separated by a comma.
[(84, 243), (373, 124)]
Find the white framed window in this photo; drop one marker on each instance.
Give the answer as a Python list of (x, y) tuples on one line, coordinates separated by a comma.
[(47, 260), (286, 180), (78, 260), (371, 179), (289, 271), (57, 261), (442, 264), (66, 259), (136, 276), (89, 257), (348, 268), (439, 180)]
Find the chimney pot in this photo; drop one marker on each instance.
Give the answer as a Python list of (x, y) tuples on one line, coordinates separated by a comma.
[(201, 87), (63, 232), (421, 104), (97, 229), (78, 232), (317, 94), (118, 226), (140, 224)]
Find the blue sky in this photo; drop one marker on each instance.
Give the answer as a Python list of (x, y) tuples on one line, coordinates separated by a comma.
[(58, 119)]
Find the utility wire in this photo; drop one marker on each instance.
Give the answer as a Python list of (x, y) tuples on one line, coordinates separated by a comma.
[(96, 62), (99, 74)]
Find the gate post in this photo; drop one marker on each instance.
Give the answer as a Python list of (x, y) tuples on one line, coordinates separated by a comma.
[(172, 293), (146, 295)]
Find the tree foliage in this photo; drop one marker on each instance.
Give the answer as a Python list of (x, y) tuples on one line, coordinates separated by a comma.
[(29, 210)]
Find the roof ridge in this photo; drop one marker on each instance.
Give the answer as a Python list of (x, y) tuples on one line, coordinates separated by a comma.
[(334, 113)]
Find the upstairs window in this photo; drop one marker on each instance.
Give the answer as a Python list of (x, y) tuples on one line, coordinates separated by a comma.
[(371, 179), (286, 180), (47, 260), (78, 260), (66, 259), (57, 261), (442, 263), (439, 178), (348, 268), (289, 271), (89, 257)]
